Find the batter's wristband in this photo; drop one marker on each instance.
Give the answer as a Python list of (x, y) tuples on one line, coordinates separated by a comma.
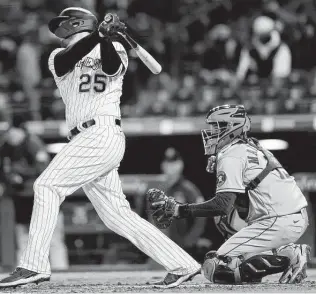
[(184, 211)]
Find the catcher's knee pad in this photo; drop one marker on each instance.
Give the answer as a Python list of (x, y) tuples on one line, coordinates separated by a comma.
[(219, 269), (288, 250), (259, 266)]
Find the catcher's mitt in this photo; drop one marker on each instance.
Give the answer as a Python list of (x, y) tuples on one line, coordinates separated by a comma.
[(163, 208), (110, 27)]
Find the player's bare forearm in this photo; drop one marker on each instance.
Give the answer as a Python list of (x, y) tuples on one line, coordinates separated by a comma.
[(66, 59), (221, 204)]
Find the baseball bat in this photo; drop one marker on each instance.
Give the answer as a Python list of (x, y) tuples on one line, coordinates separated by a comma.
[(143, 54)]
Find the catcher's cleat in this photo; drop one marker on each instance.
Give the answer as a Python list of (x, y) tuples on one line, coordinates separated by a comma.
[(296, 272), (22, 276), (172, 280)]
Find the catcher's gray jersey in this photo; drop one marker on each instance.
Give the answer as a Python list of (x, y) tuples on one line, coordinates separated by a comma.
[(277, 195)]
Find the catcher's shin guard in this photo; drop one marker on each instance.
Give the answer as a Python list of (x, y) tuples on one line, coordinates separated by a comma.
[(259, 266), (227, 270)]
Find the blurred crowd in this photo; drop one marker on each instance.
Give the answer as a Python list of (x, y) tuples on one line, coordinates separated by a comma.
[(259, 53)]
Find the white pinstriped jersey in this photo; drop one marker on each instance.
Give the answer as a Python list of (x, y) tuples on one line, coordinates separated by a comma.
[(86, 90)]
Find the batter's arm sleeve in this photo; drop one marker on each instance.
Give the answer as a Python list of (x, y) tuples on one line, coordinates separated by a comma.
[(229, 173), (221, 204), (114, 61), (66, 59)]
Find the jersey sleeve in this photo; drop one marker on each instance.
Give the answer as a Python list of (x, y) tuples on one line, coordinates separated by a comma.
[(123, 55), (230, 175), (51, 65)]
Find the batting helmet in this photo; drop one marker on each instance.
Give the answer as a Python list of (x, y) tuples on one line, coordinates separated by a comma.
[(71, 21)]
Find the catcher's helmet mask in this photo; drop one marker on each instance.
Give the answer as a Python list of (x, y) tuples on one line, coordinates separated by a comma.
[(226, 124), (71, 21)]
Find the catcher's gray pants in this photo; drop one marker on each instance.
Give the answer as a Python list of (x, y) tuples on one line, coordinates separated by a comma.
[(265, 235)]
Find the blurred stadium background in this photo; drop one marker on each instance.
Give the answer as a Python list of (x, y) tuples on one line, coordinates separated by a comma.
[(200, 44)]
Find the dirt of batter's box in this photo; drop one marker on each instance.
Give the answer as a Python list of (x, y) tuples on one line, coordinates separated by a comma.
[(138, 282), (309, 287)]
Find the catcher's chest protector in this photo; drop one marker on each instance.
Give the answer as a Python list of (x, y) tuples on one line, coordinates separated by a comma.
[(272, 164)]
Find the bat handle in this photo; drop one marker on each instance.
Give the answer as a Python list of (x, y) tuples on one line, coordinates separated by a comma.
[(129, 40), (145, 57)]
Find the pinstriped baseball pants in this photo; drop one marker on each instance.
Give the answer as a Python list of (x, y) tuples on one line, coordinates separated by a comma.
[(91, 161)]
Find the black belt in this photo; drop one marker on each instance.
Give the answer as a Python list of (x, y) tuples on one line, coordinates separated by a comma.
[(75, 131)]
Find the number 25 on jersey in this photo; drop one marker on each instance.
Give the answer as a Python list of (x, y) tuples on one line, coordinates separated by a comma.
[(95, 82)]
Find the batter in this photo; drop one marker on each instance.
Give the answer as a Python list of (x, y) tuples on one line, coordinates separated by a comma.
[(251, 180), (89, 75)]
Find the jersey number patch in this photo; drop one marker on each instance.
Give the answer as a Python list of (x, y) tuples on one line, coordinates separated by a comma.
[(96, 82)]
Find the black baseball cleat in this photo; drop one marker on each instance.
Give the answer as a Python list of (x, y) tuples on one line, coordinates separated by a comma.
[(22, 276), (172, 280)]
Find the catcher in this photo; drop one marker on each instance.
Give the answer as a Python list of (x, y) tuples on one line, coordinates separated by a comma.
[(252, 181)]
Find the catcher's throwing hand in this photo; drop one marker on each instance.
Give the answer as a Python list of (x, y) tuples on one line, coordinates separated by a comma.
[(164, 208), (111, 26)]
